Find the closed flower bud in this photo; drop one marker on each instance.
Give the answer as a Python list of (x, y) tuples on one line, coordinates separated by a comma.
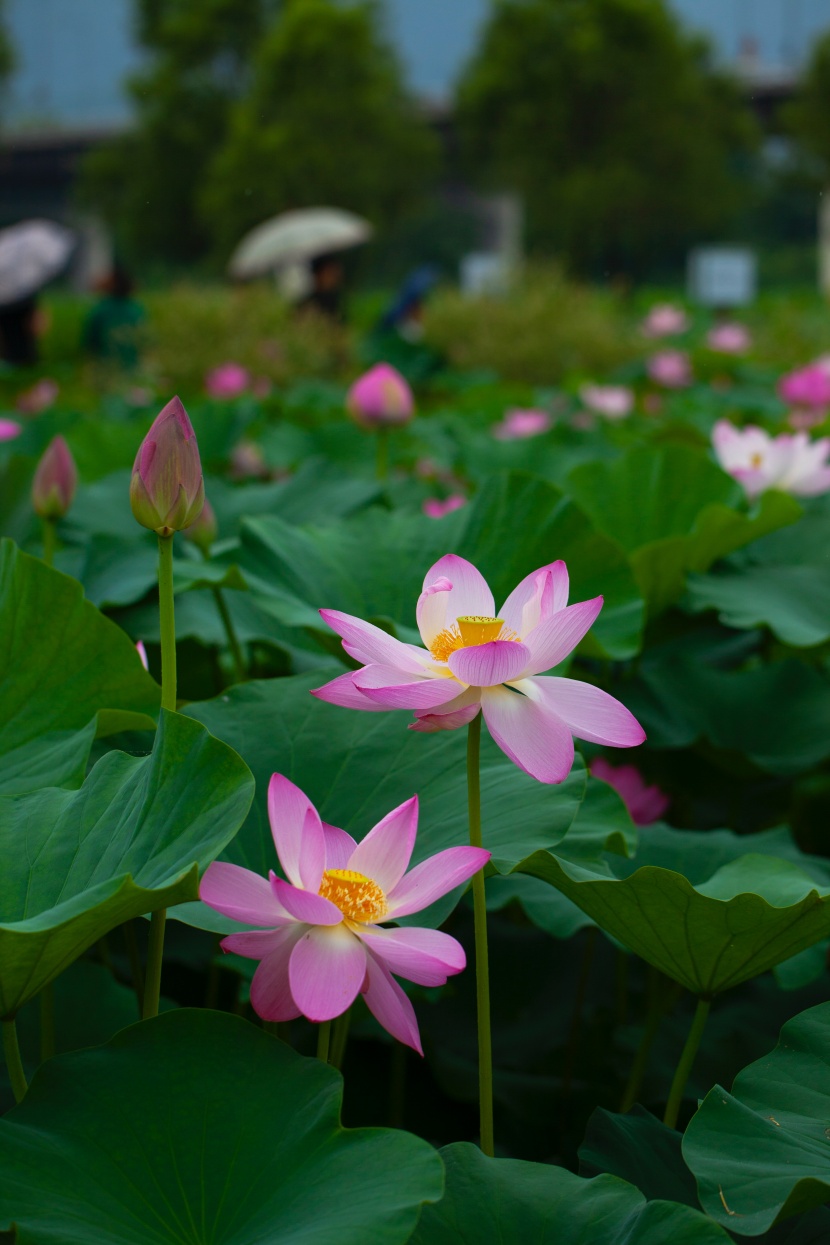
[(204, 530), (167, 491), (380, 398), (56, 479)]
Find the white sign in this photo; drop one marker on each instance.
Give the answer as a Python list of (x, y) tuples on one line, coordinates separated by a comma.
[(722, 276)]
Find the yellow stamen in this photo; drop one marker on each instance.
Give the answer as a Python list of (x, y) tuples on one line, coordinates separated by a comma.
[(467, 631), (756, 460), (359, 898)]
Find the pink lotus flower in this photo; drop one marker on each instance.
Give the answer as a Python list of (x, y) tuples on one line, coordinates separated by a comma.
[(665, 320), (9, 429), (793, 464), (434, 508), (517, 425), (729, 338), (475, 661), (807, 387), (645, 804), (670, 368), (228, 380), (167, 490), (56, 478), (380, 398), (321, 943), (612, 401), (41, 395)]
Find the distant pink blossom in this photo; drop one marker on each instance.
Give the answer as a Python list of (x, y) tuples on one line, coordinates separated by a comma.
[(474, 660), (41, 395), (518, 424), (380, 398), (9, 429), (611, 401), (665, 320), (807, 387), (803, 420), (729, 338), (247, 462), (670, 368), (261, 387), (142, 654), (138, 395), (228, 380), (323, 937), (645, 804), (434, 508), (792, 463)]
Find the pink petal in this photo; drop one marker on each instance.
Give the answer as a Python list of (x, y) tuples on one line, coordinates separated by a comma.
[(342, 691), (590, 713), (486, 665), (339, 846), (326, 970), (390, 1006), (469, 594), (540, 594), (242, 895), (431, 610), (306, 906), (429, 723), (369, 644), (256, 944), (433, 878), (298, 833), (385, 852), (393, 690), (271, 989), (425, 956), (557, 636), (526, 731)]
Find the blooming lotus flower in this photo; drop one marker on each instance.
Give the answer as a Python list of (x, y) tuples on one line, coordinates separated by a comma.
[(56, 479), (380, 398), (665, 320), (729, 338), (40, 396), (434, 508), (321, 942), (517, 425), (476, 660), (794, 464), (645, 804), (167, 491), (612, 401), (9, 429), (670, 368), (807, 387), (228, 380)]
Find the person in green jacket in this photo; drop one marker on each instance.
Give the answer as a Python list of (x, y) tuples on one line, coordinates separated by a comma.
[(112, 331)]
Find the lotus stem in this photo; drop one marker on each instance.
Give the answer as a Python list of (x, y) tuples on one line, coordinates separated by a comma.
[(382, 460), (11, 1050), (155, 952), (49, 541), (339, 1039), (230, 632), (686, 1062), (323, 1041), (47, 1022), (485, 1046)]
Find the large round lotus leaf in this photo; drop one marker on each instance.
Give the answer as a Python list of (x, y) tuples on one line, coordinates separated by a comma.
[(61, 663), (762, 1153), (77, 863), (514, 1203), (198, 1129), (373, 564), (357, 766), (750, 915)]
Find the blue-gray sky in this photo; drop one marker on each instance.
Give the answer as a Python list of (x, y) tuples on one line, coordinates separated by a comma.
[(73, 55)]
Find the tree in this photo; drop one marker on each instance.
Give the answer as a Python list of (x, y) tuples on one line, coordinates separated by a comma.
[(610, 122), (808, 117), (326, 121)]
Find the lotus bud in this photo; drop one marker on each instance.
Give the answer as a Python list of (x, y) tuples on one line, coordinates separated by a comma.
[(380, 398), (204, 530), (167, 491), (56, 479)]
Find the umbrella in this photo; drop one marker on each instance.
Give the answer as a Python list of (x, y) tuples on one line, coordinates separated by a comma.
[(297, 236), (31, 254)]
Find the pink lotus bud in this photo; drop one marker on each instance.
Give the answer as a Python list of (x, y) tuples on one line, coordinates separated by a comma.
[(670, 368), (517, 425), (167, 491), (142, 654), (729, 338), (612, 401), (56, 479), (9, 429), (807, 387), (380, 398), (203, 530), (228, 380), (41, 395), (665, 320), (434, 508)]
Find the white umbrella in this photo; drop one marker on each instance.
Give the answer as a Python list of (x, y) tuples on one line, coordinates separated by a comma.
[(31, 254), (295, 237)]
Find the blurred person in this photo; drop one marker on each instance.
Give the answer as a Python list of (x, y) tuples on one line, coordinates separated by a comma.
[(20, 325), (326, 294), (112, 329), (397, 336)]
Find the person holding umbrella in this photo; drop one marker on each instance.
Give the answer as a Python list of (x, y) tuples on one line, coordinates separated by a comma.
[(31, 254)]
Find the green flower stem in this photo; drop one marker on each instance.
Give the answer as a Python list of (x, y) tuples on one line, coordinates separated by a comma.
[(662, 996), (155, 951), (485, 1048), (323, 1040), (686, 1061), (230, 632), (382, 460), (135, 963), (340, 1038), (14, 1063), (167, 624), (49, 541), (47, 1022)]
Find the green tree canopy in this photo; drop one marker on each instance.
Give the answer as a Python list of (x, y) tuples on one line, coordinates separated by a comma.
[(610, 122), (808, 117), (326, 120)]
